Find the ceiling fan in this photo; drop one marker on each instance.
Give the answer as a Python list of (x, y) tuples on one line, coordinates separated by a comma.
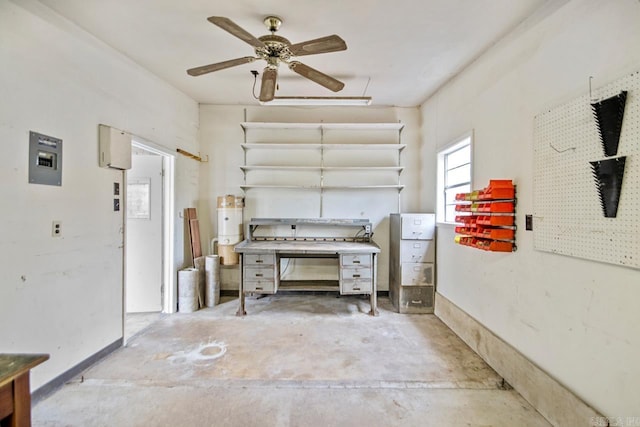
[(275, 49)]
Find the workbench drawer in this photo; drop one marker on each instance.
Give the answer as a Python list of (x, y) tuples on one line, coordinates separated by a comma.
[(259, 259), (362, 260), (356, 273), (265, 286), (356, 286), (416, 274), (259, 273)]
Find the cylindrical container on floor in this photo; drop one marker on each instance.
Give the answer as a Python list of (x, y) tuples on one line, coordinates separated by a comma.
[(188, 290), (212, 288), (227, 255), (200, 265)]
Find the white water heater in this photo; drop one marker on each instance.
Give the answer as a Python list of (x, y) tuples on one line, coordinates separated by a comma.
[(230, 221)]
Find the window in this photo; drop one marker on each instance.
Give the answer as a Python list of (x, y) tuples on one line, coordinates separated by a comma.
[(454, 176)]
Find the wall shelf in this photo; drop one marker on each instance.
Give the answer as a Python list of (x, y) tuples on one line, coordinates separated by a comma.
[(324, 187), (303, 146), (320, 157), (325, 126), (322, 168)]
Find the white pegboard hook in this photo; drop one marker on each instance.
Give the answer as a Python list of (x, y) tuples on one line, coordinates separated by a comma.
[(590, 96)]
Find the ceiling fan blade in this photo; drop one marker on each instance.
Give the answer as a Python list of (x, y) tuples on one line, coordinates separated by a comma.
[(198, 71), (231, 27), (315, 75), (268, 87), (322, 45)]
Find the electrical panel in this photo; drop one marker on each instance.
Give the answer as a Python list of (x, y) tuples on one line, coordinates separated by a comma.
[(45, 159), (115, 148)]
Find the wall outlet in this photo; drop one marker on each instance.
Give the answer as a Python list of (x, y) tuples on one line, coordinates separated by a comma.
[(56, 229)]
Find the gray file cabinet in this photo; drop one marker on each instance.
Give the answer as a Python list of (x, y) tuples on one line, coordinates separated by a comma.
[(412, 262)]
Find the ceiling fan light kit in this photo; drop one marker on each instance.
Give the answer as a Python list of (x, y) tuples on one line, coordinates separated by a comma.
[(275, 50)]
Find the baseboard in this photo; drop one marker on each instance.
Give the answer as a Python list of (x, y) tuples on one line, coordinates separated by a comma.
[(53, 385), (550, 398)]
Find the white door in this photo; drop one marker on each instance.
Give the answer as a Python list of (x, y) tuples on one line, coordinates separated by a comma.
[(144, 234)]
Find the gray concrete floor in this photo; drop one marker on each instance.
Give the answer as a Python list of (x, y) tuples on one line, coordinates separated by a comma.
[(294, 360), (135, 323)]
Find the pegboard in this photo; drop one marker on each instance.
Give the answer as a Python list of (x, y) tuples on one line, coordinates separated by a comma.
[(568, 216)]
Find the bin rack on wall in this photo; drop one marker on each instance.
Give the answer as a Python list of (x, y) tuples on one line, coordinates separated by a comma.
[(487, 217)]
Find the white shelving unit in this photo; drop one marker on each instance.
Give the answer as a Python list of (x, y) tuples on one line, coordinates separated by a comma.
[(368, 159), (319, 126)]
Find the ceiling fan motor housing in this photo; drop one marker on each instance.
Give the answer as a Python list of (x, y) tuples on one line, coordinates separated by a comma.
[(276, 49)]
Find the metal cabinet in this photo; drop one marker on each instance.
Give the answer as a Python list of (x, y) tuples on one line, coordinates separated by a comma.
[(412, 262)]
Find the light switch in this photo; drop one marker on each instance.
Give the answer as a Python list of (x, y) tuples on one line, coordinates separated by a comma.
[(528, 222)]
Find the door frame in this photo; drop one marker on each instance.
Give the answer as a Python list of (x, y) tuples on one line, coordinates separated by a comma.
[(169, 290)]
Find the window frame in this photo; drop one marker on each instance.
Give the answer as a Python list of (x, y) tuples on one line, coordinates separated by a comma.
[(442, 154)]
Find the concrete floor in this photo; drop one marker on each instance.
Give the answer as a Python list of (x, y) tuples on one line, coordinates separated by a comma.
[(294, 360), (135, 323)]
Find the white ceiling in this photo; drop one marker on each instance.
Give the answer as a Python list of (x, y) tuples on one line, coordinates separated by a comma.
[(399, 52)]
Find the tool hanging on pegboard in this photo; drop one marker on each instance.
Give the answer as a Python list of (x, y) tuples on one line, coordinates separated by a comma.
[(609, 114), (608, 175)]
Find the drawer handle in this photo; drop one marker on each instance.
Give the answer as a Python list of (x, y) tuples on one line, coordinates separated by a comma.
[(356, 261), (356, 289), (259, 261), (259, 275), (416, 302), (356, 275), (259, 288)]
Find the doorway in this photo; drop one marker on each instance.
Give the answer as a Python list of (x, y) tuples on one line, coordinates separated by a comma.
[(149, 288)]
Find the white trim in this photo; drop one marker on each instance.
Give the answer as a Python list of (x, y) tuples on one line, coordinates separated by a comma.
[(559, 405), (123, 211), (169, 271), (138, 142), (451, 146)]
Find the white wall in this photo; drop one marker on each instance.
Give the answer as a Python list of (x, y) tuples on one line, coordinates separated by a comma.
[(221, 136), (576, 319), (63, 296)]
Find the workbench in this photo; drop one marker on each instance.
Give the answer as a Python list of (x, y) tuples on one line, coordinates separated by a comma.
[(15, 394), (260, 257)]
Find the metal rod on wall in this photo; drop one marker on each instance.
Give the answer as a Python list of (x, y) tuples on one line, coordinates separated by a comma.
[(191, 155)]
